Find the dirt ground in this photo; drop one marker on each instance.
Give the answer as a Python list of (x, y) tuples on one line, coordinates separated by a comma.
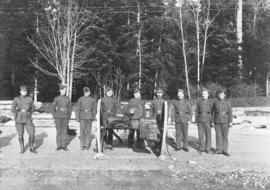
[(247, 168)]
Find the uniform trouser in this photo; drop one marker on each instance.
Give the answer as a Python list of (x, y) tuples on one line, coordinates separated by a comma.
[(85, 132), (61, 132), (110, 136), (109, 133), (160, 127), (131, 136), (30, 128), (204, 130), (181, 135), (222, 130)]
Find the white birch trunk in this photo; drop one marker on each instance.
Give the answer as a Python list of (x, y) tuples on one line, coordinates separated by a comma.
[(239, 36), (184, 48)]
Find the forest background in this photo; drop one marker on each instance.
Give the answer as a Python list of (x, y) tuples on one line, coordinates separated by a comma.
[(121, 44)]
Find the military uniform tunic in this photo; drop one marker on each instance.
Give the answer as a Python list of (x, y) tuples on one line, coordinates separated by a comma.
[(22, 108), (85, 113), (222, 112), (136, 105), (156, 112), (62, 109), (108, 108), (203, 116), (181, 114)]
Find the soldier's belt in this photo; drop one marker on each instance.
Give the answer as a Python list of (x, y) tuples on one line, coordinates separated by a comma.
[(204, 113), (182, 113), (135, 119), (222, 113), (23, 110), (86, 110)]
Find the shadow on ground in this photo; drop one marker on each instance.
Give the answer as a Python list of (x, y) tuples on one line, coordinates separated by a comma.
[(5, 141)]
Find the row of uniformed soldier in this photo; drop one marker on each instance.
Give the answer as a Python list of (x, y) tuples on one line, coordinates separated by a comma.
[(85, 114), (207, 114), (22, 108)]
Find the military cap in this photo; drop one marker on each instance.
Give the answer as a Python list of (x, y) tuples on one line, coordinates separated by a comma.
[(180, 90), (204, 90), (86, 89), (23, 88), (108, 89), (136, 90), (159, 91), (62, 86), (221, 91)]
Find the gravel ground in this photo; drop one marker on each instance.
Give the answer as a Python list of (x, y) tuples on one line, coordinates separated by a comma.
[(247, 168)]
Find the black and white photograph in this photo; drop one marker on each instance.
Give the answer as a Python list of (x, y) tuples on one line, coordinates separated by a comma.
[(134, 94)]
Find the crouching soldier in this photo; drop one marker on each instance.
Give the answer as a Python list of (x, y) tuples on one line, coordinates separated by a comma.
[(181, 116), (62, 109), (85, 114), (22, 108), (222, 112), (156, 111), (108, 109), (203, 117), (135, 111)]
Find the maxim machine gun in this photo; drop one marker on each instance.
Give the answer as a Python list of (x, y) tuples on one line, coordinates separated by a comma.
[(147, 126)]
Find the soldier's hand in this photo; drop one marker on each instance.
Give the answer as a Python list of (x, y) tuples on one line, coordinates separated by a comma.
[(230, 124), (173, 122), (212, 125)]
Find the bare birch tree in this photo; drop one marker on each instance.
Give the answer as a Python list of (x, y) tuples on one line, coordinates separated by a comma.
[(202, 24), (239, 36), (184, 47), (196, 9), (60, 39)]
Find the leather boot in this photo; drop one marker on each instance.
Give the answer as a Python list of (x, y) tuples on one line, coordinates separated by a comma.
[(21, 144), (31, 144)]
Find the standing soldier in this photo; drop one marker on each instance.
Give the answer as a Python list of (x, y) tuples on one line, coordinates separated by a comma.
[(85, 114), (62, 109), (108, 109), (156, 110), (135, 110), (22, 108), (181, 116), (203, 118), (222, 112)]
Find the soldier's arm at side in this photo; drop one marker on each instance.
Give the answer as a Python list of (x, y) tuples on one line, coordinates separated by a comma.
[(32, 106), (78, 108), (14, 107), (94, 108), (173, 112), (54, 105), (230, 113)]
